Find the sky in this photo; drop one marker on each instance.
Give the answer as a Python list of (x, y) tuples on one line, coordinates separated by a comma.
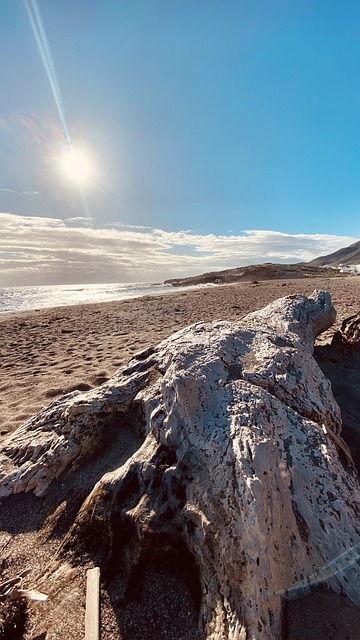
[(215, 133)]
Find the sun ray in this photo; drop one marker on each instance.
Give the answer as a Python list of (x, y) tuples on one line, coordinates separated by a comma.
[(37, 26), (77, 165)]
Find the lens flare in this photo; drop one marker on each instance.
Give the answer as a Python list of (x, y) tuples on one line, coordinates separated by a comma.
[(75, 164), (38, 30)]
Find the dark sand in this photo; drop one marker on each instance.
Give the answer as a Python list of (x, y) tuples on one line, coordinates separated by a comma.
[(46, 353)]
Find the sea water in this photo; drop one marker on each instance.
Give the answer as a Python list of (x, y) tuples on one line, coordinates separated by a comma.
[(27, 298)]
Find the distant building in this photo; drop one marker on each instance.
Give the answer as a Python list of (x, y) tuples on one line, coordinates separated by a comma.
[(351, 269)]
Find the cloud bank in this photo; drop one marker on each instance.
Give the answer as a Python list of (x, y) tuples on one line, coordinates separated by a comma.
[(37, 251)]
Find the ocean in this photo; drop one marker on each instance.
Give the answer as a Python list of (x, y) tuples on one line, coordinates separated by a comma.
[(28, 298)]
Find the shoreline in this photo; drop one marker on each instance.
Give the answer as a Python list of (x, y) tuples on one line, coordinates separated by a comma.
[(200, 288), (47, 352), (34, 298), (157, 289), (79, 305)]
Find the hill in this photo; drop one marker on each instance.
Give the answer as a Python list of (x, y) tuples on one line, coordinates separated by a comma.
[(266, 271), (347, 255)]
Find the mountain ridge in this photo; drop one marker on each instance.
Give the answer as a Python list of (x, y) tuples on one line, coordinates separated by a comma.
[(347, 255)]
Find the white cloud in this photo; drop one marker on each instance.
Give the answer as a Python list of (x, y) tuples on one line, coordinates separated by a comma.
[(35, 250)]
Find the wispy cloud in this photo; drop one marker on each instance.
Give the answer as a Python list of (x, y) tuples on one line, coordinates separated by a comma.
[(4, 124), (20, 193), (79, 221), (35, 250)]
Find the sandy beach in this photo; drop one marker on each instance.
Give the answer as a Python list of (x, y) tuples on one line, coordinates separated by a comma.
[(46, 353)]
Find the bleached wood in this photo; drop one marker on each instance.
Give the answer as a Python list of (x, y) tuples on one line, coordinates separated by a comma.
[(242, 464), (92, 611)]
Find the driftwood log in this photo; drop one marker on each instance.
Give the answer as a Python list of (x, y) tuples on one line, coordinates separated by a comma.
[(242, 464), (349, 333)]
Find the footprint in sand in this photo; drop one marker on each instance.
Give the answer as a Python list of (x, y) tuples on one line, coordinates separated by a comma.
[(51, 393), (79, 386), (60, 391), (99, 378)]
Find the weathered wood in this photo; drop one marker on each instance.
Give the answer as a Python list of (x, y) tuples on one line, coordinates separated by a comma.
[(92, 611), (349, 333), (242, 463)]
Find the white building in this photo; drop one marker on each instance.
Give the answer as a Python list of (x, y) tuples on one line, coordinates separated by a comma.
[(351, 269)]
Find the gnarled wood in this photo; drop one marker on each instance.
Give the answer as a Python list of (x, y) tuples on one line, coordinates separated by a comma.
[(349, 333), (242, 463)]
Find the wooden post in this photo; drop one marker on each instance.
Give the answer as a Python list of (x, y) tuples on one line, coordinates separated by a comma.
[(92, 611)]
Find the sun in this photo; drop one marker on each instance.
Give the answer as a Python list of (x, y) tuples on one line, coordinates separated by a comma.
[(78, 166)]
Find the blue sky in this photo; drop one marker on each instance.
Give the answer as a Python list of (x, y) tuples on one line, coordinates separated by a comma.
[(230, 129)]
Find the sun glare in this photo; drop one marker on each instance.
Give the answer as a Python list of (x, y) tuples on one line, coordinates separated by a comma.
[(77, 166)]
